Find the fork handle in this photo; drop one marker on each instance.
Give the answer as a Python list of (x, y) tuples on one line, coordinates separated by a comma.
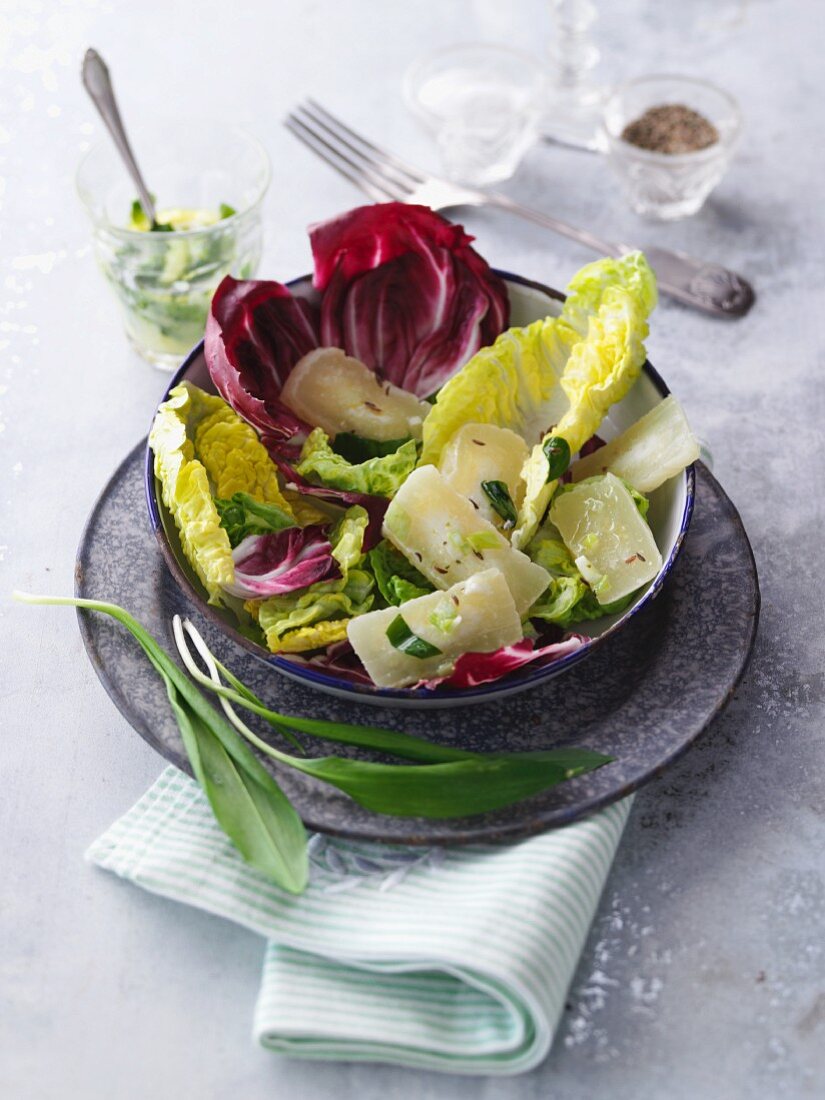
[(706, 286), (581, 236)]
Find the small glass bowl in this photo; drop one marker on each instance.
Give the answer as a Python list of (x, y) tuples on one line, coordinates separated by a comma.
[(667, 186), (482, 104), (165, 281)]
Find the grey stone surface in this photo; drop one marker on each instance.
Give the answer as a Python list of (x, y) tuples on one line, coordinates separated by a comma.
[(704, 974)]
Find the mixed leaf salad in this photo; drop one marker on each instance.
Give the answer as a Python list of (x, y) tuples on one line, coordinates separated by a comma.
[(387, 484)]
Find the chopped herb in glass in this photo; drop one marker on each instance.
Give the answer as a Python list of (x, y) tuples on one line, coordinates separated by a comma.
[(164, 275)]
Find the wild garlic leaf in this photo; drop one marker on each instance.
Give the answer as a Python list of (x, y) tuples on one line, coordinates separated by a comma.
[(246, 800)]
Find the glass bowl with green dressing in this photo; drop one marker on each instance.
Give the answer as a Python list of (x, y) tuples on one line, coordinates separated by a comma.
[(209, 182)]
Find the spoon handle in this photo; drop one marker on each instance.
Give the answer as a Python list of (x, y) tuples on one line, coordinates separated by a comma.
[(98, 84)]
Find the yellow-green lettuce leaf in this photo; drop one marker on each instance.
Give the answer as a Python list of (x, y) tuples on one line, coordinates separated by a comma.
[(234, 458), (613, 297), (186, 491), (307, 638), (348, 538), (513, 384), (203, 449), (586, 289), (295, 623)]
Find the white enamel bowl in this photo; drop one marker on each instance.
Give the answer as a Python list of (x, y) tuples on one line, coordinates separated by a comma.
[(671, 506)]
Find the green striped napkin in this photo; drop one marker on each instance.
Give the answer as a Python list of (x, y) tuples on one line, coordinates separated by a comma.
[(455, 959)]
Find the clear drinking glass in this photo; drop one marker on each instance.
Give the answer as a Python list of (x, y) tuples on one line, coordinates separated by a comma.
[(666, 186), (482, 105), (164, 281)]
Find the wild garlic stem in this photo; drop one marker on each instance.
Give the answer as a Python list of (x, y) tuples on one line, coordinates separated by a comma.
[(213, 681)]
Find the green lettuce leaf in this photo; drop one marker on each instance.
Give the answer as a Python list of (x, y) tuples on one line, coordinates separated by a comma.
[(379, 476), (639, 499), (558, 376), (355, 448), (397, 580), (347, 538), (608, 307), (317, 617), (203, 449), (568, 598), (242, 516), (567, 587)]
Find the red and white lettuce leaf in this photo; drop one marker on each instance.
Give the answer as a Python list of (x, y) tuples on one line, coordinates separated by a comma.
[(255, 334), (282, 561), (339, 660), (404, 292), (472, 669), (375, 506)]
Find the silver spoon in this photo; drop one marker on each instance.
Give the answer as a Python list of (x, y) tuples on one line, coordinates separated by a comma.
[(98, 83)]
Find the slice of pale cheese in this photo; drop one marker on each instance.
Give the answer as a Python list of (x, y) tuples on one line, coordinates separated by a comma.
[(611, 544), (329, 389), (476, 615), (484, 452), (445, 537), (654, 449)]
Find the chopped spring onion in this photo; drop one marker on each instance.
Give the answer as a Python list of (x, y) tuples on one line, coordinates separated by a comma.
[(484, 540), (402, 638), (557, 452), (499, 497)]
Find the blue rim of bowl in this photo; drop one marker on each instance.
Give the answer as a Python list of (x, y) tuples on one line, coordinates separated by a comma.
[(315, 678)]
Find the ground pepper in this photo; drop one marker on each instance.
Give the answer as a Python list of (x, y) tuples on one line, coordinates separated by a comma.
[(671, 128)]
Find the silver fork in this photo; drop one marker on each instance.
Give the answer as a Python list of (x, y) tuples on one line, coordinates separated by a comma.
[(384, 177)]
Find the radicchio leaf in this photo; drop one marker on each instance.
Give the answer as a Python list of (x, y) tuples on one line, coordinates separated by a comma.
[(592, 444), (282, 561), (588, 448), (339, 660), (375, 506), (255, 334), (403, 291), (472, 669)]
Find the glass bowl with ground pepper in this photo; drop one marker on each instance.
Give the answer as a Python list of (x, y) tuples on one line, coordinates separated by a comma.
[(669, 139)]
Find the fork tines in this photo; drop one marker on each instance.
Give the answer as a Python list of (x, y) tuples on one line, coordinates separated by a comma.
[(378, 173)]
